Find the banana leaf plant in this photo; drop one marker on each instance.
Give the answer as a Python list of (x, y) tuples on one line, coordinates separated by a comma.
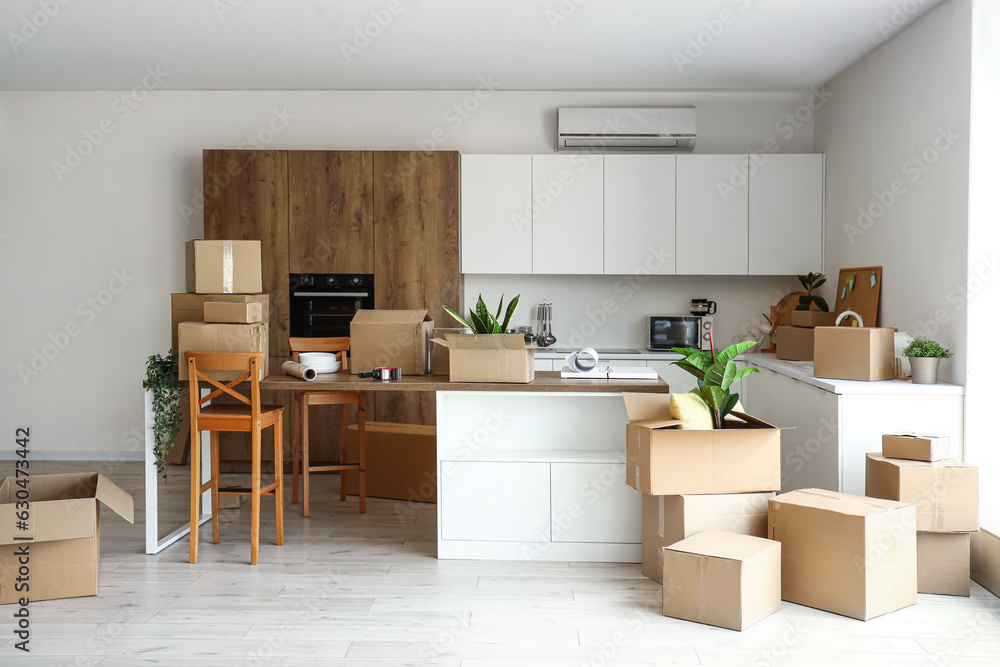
[(716, 373), (481, 321)]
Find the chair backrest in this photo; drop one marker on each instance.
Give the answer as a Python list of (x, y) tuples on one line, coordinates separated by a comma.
[(340, 346), (248, 362)]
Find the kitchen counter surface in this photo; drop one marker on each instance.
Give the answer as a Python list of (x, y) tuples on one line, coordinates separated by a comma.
[(644, 355)]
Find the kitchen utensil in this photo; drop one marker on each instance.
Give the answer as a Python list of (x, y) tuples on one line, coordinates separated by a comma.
[(543, 325), (702, 307)]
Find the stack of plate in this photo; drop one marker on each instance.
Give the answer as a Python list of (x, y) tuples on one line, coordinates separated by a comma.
[(321, 362)]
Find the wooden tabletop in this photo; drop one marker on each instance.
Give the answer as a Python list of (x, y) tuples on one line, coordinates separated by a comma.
[(544, 381)]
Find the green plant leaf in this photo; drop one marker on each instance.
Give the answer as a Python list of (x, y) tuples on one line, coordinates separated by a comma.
[(480, 326), (686, 351), (821, 302), (458, 317), (511, 307), (804, 281), (483, 313), (730, 404), (690, 368), (716, 399), (743, 372), (499, 308), (819, 282), (734, 350)]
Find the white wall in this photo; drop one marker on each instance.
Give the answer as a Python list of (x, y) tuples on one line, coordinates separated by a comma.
[(132, 200)]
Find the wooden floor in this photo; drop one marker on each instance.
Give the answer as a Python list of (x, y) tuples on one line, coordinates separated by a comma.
[(348, 589)]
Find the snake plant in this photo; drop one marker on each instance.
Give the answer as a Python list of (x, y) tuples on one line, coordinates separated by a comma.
[(481, 321)]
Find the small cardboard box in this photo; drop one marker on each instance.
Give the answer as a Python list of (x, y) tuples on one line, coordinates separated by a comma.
[(187, 307), (391, 338), (663, 460), (854, 353), (490, 358), (669, 519), (812, 318), (440, 363), (943, 563), (400, 461), (233, 313), (945, 492), (214, 337), (915, 446), (223, 267), (64, 549), (849, 555), (721, 578), (794, 343)]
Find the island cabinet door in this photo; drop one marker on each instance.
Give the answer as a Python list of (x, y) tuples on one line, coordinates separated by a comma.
[(592, 503), (492, 501)]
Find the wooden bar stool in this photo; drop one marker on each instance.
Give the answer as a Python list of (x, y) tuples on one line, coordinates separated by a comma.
[(250, 417), (300, 422)]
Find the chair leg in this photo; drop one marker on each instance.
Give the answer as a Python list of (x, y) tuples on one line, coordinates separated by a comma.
[(345, 418), (296, 441), (215, 486), (279, 477), (195, 489), (361, 451), (255, 494), (304, 440)]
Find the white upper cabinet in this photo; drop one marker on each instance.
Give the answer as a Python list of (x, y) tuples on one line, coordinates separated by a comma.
[(712, 215), (496, 214), (567, 196), (639, 214), (786, 215)]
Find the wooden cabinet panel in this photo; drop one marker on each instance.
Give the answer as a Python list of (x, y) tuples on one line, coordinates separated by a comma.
[(330, 200)]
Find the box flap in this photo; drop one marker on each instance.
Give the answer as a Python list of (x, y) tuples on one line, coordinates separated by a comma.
[(114, 498), (723, 544), (642, 406), (390, 317), (917, 436), (661, 422), (485, 341), (83, 485), (843, 503), (440, 341)]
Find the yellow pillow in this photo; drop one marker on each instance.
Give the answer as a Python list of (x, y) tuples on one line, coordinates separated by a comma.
[(693, 410)]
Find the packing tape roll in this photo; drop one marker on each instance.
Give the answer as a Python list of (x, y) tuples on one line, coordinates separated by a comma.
[(573, 360), (300, 371), (227, 267)]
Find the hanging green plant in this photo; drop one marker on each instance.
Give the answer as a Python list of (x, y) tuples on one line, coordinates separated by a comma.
[(161, 379)]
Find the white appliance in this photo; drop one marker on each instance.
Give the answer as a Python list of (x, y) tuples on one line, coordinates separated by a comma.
[(650, 128)]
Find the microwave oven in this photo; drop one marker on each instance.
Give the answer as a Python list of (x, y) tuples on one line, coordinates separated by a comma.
[(668, 331)]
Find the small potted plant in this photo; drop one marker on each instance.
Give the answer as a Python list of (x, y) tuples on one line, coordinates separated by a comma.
[(812, 311), (925, 355)]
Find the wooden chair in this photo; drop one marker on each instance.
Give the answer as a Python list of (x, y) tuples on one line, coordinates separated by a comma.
[(250, 417), (300, 422)]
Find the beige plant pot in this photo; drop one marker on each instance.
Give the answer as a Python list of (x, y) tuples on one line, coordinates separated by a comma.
[(924, 370)]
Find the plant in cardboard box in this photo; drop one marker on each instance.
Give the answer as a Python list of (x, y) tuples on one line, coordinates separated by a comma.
[(810, 282), (716, 373), (161, 380), (925, 356), (481, 321)]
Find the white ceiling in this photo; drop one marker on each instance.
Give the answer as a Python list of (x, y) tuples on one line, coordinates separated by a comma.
[(439, 44)]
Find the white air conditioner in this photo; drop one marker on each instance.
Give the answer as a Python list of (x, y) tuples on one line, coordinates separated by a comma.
[(662, 129)]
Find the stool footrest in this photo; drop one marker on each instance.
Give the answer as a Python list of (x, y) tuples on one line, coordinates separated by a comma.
[(246, 490), (345, 466)]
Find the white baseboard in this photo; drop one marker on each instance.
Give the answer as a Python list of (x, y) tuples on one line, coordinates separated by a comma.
[(73, 455)]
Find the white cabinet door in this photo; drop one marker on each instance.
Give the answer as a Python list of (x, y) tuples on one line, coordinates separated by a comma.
[(639, 214), (494, 501), (545, 365), (568, 223), (786, 215), (712, 218), (680, 380), (592, 503), (496, 214)]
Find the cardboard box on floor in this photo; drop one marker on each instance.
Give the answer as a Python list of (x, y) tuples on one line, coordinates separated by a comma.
[(391, 338), (812, 318), (794, 343), (187, 307), (233, 313), (854, 353), (721, 578), (490, 358), (65, 531), (223, 267), (946, 493), (943, 563), (846, 554), (663, 460), (915, 446), (400, 461), (670, 519), (213, 337)]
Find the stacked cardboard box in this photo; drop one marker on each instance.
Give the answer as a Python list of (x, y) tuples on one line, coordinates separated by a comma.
[(795, 342)]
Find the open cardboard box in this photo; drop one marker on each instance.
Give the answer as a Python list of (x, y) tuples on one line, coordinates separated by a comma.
[(391, 338), (490, 358), (915, 446), (943, 563)]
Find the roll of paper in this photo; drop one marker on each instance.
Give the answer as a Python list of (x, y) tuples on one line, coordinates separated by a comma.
[(583, 360), (300, 371)]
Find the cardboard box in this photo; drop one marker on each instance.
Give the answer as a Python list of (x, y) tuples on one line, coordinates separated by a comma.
[(214, 337), (223, 267), (915, 446), (945, 492), (400, 461), (187, 307), (65, 531), (663, 460), (670, 519), (812, 318), (440, 362), (720, 578), (794, 343), (233, 313), (854, 353), (985, 558), (846, 554), (391, 338), (943, 563), (490, 358)]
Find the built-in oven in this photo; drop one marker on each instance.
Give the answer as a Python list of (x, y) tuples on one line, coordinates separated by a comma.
[(323, 304), (669, 331)]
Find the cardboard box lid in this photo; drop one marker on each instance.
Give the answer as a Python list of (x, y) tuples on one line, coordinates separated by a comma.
[(915, 436), (723, 544), (911, 463), (390, 317), (644, 406), (842, 503)]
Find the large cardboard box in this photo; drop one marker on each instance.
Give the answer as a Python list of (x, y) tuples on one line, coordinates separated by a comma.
[(663, 460), (233, 313), (915, 446), (854, 353), (943, 563), (187, 307), (846, 554), (669, 519), (400, 461), (794, 343), (223, 267), (64, 549), (391, 338), (721, 578), (214, 337), (441, 358), (812, 318), (945, 492), (490, 358)]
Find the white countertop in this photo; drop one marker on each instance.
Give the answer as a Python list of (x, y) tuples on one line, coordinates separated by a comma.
[(644, 355)]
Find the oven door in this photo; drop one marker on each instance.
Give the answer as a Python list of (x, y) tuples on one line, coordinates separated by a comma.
[(325, 314), (666, 332)]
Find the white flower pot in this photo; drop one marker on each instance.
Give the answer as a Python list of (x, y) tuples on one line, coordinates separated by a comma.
[(924, 369)]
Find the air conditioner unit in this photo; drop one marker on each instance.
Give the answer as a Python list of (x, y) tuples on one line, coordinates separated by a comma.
[(658, 129)]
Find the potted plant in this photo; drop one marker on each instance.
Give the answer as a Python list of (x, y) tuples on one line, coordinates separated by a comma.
[(811, 282), (161, 380), (481, 321), (716, 373), (925, 355)]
